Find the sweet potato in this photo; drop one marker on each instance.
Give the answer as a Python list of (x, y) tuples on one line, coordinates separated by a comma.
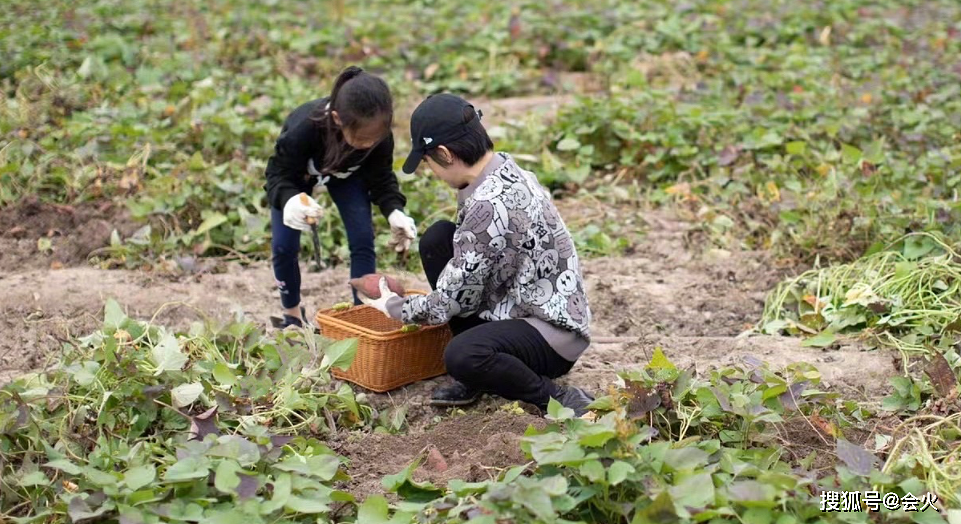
[(369, 285)]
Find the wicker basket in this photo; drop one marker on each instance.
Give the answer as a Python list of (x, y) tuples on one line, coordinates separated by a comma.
[(387, 358)]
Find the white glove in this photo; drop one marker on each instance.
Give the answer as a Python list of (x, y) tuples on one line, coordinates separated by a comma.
[(299, 209), (380, 304), (402, 229)]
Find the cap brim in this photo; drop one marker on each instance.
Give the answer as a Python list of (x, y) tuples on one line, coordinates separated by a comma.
[(413, 160)]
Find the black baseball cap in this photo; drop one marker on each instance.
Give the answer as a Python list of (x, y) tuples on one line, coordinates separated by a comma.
[(438, 120)]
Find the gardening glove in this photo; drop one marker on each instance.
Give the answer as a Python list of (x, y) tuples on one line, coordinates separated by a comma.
[(300, 210), (402, 230), (389, 303)]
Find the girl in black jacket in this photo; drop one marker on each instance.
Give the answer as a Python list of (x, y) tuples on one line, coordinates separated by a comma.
[(342, 142)]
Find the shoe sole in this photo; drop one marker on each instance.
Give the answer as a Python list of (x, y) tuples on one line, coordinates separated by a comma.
[(452, 403)]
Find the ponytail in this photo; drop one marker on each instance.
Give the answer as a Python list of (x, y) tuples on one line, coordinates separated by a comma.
[(345, 76), (360, 99)]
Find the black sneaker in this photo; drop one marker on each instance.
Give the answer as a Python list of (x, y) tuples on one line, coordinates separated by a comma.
[(288, 320), (574, 398), (454, 394)]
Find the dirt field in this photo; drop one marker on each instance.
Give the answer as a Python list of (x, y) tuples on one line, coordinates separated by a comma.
[(696, 306)]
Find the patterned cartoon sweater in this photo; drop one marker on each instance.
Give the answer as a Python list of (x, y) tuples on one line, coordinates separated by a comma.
[(513, 259)]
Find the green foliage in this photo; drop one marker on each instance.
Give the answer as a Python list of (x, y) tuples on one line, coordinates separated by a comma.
[(679, 449), (140, 424)]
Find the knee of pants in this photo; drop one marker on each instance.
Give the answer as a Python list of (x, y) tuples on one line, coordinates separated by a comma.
[(285, 249), (437, 236), (462, 358)]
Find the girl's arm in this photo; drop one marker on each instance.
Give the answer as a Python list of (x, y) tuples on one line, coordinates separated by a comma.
[(287, 167), (381, 180)]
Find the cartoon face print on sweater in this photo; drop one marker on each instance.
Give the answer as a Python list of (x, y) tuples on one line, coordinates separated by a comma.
[(489, 189), (445, 309), (556, 307), (567, 283), (577, 308), (479, 218), (527, 271), (469, 297), (564, 244), (539, 292), (547, 263), (517, 196), (475, 262), (500, 221), (450, 279)]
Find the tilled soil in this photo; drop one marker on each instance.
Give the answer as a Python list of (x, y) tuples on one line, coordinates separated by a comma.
[(695, 306)]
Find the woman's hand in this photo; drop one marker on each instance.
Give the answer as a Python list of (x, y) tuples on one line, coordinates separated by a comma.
[(402, 229), (300, 211), (380, 304)]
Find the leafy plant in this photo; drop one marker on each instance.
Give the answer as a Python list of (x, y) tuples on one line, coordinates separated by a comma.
[(143, 425)]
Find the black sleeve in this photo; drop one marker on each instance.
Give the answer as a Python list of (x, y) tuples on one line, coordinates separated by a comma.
[(380, 178), (287, 168)]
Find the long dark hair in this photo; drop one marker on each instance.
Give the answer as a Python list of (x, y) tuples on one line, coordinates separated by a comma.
[(360, 99)]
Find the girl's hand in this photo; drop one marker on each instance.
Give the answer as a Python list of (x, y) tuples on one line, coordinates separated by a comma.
[(403, 230), (300, 210)]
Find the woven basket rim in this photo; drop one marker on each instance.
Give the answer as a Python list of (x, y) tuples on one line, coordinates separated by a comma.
[(330, 316)]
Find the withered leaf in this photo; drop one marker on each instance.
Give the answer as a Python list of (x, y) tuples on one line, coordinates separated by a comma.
[(248, 487), (204, 424), (728, 155), (722, 399), (791, 398), (942, 376), (857, 459), (643, 400)]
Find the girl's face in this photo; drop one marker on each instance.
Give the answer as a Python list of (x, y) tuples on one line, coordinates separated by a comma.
[(364, 136)]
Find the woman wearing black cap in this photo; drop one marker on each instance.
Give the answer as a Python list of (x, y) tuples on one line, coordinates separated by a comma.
[(344, 143), (505, 276)]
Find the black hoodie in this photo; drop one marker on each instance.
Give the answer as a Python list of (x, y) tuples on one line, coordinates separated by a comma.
[(300, 147)]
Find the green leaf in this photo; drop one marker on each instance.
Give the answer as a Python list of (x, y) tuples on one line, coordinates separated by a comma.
[(226, 478), (556, 411), (86, 373), (323, 467), (751, 491), (593, 470), (210, 223), (568, 144), (618, 472), (282, 490), (65, 466), (695, 491), (659, 361), (686, 458), (186, 394), (374, 510), (237, 448), (188, 468), (166, 355), (916, 247), (138, 477), (113, 315), (99, 477), (850, 154), (223, 375), (595, 435), (822, 339), (796, 148), (36, 478), (340, 354), (660, 511), (306, 505)]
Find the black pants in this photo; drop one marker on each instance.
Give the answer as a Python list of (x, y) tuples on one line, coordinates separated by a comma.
[(508, 358)]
